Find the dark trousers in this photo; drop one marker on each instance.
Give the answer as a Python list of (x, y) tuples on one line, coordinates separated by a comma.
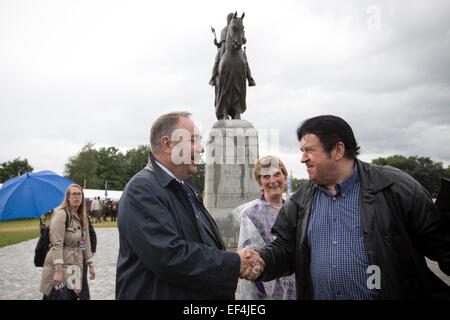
[(84, 294)]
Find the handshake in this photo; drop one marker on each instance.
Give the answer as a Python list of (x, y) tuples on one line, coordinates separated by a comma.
[(252, 265)]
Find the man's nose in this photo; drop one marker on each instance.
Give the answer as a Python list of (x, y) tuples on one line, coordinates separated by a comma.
[(304, 157)]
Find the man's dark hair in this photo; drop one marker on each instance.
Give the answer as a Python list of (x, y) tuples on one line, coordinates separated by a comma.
[(330, 130)]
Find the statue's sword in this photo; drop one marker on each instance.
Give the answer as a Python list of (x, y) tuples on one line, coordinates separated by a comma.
[(215, 37)]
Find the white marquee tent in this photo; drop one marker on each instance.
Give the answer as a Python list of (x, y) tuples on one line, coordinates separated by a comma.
[(111, 194)]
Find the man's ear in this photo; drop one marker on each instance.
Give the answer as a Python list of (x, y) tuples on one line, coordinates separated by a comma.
[(339, 151), (166, 144)]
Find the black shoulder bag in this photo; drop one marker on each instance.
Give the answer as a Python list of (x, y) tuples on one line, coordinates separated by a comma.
[(43, 245)]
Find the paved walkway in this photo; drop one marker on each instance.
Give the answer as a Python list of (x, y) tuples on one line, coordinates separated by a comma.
[(20, 279)]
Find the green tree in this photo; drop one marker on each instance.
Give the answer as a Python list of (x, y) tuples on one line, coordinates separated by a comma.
[(106, 164), (135, 160), (82, 168), (447, 172), (296, 183), (111, 168), (423, 169), (12, 169), (199, 177)]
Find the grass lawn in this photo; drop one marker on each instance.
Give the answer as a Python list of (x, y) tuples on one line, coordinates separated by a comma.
[(15, 231)]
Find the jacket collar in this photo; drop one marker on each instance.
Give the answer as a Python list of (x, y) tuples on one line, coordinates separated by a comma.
[(304, 193), (162, 177), (371, 177)]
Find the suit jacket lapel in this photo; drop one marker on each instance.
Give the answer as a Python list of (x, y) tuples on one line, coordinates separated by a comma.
[(212, 229)]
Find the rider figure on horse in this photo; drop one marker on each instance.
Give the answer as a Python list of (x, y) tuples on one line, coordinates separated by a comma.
[(221, 50)]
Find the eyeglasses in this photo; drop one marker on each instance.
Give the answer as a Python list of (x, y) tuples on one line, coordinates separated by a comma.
[(76, 194)]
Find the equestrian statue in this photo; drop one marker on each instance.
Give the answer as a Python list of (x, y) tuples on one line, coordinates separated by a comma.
[(231, 70)]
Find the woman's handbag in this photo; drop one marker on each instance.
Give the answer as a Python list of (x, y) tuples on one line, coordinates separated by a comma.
[(62, 292)]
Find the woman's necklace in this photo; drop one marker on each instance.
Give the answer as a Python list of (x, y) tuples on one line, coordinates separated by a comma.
[(275, 207)]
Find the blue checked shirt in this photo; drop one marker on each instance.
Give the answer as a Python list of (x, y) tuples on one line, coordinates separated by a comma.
[(339, 259)]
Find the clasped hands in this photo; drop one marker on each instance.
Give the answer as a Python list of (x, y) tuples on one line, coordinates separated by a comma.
[(252, 265)]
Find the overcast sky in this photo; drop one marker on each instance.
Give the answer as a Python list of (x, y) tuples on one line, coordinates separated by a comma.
[(102, 71)]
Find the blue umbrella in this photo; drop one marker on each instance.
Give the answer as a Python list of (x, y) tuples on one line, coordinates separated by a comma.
[(32, 194)]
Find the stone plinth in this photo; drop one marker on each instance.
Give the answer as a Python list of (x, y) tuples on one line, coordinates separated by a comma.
[(231, 154)]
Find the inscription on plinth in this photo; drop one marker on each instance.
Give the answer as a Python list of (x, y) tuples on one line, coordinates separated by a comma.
[(231, 154)]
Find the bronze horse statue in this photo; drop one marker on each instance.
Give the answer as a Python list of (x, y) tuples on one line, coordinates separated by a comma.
[(230, 84)]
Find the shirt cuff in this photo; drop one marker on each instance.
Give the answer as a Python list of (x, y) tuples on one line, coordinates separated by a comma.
[(90, 260), (58, 261)]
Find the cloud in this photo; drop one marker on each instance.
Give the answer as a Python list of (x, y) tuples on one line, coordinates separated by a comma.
[(102, 71)]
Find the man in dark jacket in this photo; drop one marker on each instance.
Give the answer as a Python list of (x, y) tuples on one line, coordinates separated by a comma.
[(356, 230), (170, 247)]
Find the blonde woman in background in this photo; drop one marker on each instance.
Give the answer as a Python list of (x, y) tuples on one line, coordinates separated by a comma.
[(63, 264)]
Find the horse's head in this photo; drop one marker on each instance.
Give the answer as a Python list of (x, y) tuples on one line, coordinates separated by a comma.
[(236, 32)]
